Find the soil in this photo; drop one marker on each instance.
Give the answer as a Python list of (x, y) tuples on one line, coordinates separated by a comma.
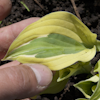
[(89, 11)]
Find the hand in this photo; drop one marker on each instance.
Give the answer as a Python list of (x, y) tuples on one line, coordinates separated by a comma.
[(18, 80)]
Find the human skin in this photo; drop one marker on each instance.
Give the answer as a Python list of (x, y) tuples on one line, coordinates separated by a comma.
[(19, 81)]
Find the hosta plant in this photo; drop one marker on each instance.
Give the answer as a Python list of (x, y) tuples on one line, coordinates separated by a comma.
[(91, 87), (60, 41)]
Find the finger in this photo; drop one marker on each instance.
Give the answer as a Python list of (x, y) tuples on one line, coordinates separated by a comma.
[(5, 7), (13, 63), (9, 33), (23, 81)]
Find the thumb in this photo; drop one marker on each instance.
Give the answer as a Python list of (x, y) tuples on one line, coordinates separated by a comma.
[(23, 80)]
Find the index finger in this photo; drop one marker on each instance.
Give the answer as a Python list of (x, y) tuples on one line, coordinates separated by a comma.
[(5, 7)]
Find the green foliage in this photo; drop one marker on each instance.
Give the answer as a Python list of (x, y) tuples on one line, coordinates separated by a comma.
[(75, 69), (81, 99), (91, 87), (86, 87), (25, 6), (64, 44)]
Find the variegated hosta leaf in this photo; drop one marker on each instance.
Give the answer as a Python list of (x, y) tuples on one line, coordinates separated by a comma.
[(86, 86), (55, 51), (91, 87), (57, 40), (96, 94), (58, 22), (69, 21), (75, 69), (81, 99), (98, 45)]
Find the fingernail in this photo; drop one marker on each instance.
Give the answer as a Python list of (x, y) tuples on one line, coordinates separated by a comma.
[(43, 74)]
